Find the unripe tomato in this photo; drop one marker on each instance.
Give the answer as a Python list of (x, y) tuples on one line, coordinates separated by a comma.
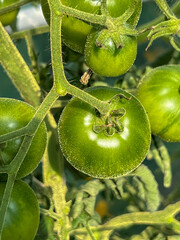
[(15, 114), (22, 216), (108, 60), (75, 31), (110, 153), (9, 17), (159, 92)]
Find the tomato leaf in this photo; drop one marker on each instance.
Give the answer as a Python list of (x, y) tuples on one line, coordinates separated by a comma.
[(149, 192)]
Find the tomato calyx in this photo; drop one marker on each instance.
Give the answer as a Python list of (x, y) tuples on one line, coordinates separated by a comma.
[(170, 28), (110, 123), (112, 39), (2, 147)]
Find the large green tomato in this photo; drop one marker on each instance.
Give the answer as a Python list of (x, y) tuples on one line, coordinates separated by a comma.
[(9, 17), (15, 114), (75, 31), (22, 216), (109, 153), (108, 60), (159, 92)]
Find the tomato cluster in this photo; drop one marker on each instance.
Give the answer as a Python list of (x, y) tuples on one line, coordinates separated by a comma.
[(101, 145), (109, 59)]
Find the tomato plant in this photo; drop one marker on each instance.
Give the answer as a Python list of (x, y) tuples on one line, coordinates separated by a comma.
[(15, 114), (9, 17), (75, 31), (108, 60), (105, 154), (22, 216), (104, 131), (159, 92)]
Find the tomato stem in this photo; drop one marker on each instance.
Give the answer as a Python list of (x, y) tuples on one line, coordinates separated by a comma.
[(33, 125), (13, 168), (90, 231), (101, 106), (12, 135), (143, 34), (163, 217), (61, 84), (32, 56), (32, 31), (60, 80), (89, 17), (165, 9), (6, 199), (13, 6), (42, 111)]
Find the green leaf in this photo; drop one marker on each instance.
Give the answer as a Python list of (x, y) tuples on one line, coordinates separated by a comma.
[(84, 204), (162, 158), (150, 192)]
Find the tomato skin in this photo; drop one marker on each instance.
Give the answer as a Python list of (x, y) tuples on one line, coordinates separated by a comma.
[(75, 31), (99, 155), (9, 17), (15, 114), (159, 93), (22, 216), (110, 61)]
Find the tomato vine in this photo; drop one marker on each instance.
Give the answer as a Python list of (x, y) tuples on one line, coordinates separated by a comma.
[(108, 117)]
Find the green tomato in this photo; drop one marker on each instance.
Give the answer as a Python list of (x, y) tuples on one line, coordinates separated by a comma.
[(159, 92), (22, 216), (14, 115), (75, 31), (9, 17), (103, 154), (108, 60)]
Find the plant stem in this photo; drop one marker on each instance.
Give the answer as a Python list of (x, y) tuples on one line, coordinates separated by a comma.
[(143, 36), (33, 31), (90, 232), (101, 106), (5, 200), (56, 50), (61, 83), (50, 213), (12, 135), (59, 9), (19, 73), (89, 17), (4, 169), (42, 111), (33, 125), (14, 6), (32, 56), (163, 217), (165, 8), (14, 167), (53, 176), (17, 161)]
